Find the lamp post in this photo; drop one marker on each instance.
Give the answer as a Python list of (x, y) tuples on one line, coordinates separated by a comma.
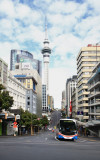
[(31, 126), (96, 50)]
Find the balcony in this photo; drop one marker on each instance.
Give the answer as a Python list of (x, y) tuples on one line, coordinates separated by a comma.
[(97, 102), (94, 85), (85, 117), (82, 82), (83, 99), (94, 114), (97, 110), (85, 110), (83, 105), (94, 94)]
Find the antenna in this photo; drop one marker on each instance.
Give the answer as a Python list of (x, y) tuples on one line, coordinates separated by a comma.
[(46, 36)]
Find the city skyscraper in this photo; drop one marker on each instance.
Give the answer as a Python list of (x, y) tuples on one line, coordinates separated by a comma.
[(25, 59), (87, 58), (70, 87)]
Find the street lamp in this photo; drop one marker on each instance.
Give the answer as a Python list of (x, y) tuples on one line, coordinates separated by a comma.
[(96, 50)]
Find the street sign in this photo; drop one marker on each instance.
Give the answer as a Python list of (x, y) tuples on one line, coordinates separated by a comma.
[(17, 116)]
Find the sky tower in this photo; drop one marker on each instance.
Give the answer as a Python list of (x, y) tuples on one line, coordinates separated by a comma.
[(46, 51)]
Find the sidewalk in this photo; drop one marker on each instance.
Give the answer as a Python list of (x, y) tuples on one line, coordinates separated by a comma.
[(90, 138), (23, 135)]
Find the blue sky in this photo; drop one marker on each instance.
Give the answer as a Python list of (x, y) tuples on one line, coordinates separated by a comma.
[(71, 24)]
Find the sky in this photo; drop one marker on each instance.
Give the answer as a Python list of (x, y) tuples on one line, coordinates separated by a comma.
[(71, 24)]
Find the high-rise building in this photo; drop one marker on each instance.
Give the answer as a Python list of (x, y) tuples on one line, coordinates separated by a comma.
[(63, 100), (74, 103), (50, 103), (3, 72), (86, 60), (26, 60), (70, 86), (94, 96), (94, 101), (46, 51)]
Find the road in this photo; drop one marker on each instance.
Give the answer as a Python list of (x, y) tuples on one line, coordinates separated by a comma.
[(44, 146), (55, 117)]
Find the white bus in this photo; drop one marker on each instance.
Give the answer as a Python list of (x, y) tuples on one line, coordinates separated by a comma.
[(67, 129)]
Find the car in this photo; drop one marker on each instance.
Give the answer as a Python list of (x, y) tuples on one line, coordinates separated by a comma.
[(49, 128)]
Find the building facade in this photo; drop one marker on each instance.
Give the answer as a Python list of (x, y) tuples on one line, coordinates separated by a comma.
[(94, 101), (18, 91), (25, 60), (50, 103), (63, 103), (3, 73), (33, 83), (70, 86), (86, 60), (74, 103), (94, 96)]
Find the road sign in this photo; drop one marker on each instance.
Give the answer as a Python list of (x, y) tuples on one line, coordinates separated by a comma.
[(17, 116)]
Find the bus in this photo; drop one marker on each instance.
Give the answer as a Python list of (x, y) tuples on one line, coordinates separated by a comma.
[(67, 129)]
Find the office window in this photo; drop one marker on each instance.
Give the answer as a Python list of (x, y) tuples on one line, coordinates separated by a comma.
[(28, 103)]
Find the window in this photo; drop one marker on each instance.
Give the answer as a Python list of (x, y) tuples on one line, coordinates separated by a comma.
[(28, 97), (28, 80), (28, 86), (33, 85), (28, 103)]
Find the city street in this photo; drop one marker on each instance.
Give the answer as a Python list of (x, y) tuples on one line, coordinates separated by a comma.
[(44, 146)]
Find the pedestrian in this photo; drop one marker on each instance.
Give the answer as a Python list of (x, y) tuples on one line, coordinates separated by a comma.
[(87, 132)]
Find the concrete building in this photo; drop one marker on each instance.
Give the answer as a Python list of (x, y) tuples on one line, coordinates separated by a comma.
[(50, 103), (33, 83), (3, 73), (94, 96), (94, 100), (26, 60), (44, 99), (18, 91), (63, 103), (46, 51), (70, 86), (86, 60), (74, 103)]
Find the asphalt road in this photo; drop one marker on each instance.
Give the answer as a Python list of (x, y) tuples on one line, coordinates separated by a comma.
[(44, 146)]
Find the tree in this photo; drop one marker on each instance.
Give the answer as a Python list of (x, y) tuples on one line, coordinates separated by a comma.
[(44, 121), (27, 118), (6, 101)]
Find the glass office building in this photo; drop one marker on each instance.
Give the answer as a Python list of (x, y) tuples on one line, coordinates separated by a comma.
[(24, 57)]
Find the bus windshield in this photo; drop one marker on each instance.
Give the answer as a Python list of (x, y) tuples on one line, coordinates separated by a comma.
[(67, 127)]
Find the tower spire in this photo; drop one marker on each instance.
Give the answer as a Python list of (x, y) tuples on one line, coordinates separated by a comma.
[(46, 36)]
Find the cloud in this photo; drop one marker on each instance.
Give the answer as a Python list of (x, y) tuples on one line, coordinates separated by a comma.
[(5, 49), (7, 8)]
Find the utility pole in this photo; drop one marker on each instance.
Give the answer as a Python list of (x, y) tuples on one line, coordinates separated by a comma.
[(31, 126)]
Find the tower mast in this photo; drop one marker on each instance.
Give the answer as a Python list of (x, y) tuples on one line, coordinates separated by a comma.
[(46, 51)]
